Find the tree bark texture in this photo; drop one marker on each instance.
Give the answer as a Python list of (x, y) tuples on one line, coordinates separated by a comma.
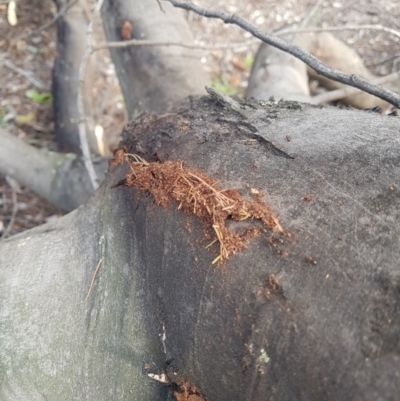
[(71, 44), (308, 317), (152, 78)]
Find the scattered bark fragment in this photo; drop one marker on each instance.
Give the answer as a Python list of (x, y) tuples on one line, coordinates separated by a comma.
[(196, 193), (306, 198)]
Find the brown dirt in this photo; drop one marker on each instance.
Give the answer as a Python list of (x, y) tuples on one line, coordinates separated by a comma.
[(198, 194)]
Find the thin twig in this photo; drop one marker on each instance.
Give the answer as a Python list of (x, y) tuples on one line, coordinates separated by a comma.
[(26, 74), (14, 210), (80, 104), (322, 69), (338, 94), (93, 277), (159, 5), (139, 42), (341, 28), (41, 28)]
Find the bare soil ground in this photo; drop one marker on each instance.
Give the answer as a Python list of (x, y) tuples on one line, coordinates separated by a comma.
[(27, 52)]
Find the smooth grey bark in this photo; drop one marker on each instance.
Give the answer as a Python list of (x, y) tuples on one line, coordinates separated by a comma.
[(330, 330), (279, 75), (71, 44), (53, 344), (60, 178), (153, 78)]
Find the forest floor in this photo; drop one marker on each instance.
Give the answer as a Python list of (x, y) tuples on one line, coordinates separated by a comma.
[(28, 49)]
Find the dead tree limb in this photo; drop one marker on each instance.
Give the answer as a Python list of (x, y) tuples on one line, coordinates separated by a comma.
[(138, 42), (60, 178), (322, 69), (314, 316)]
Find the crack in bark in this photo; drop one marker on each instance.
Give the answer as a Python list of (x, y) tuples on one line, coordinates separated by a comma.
[(255, 135)]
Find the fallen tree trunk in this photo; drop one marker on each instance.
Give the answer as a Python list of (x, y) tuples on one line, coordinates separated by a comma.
[(282, 76), (333, 52), (61, 178), (307, 316)]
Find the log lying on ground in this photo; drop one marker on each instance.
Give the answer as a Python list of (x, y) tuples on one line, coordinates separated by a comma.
[(333, 52), (284, 77), (60, 178), (310, 316)]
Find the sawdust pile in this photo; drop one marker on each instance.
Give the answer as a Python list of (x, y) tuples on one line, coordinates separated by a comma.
[(198, 194)]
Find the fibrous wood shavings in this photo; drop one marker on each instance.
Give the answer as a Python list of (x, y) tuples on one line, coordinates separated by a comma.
[(196, 193)]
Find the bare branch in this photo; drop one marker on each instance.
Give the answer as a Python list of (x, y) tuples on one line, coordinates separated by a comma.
[(338, 94), (61, 178), (139, 42), (26, 74), (80, 104), (341, 28), (322, 69)]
